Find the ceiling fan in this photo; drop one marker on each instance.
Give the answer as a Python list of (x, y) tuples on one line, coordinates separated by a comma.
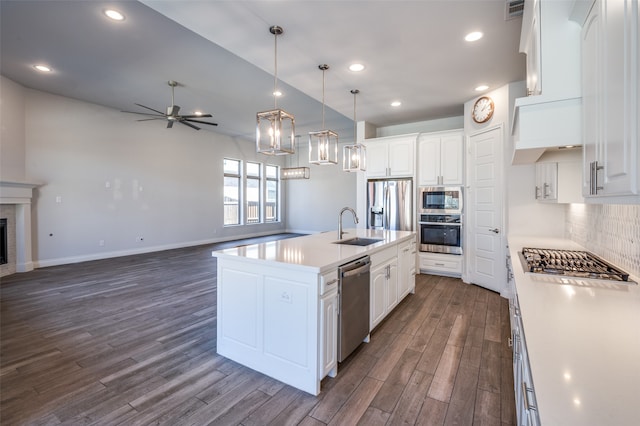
[(172, 115)]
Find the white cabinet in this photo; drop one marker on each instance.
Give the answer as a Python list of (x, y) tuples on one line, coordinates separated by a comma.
[(526, 405), (610, 74), (406, 268), (558, 182), (392, 156), (440, 158), (328, 324), (384, 290), (329, 334), (441, 264), (530, 45)]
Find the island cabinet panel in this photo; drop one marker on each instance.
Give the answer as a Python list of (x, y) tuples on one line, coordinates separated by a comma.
[(406, 268), (268, 320), (329, 334), (386, 288)]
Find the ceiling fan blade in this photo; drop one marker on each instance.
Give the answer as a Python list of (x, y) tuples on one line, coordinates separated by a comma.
[(150, 119), (154, 110), (189, 124), (197, 116), (198, 121), (169, 124), (145, 113)]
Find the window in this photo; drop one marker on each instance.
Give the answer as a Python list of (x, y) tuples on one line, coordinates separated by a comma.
[(253, 196), (272, 183), (253, 192), (232, 194)]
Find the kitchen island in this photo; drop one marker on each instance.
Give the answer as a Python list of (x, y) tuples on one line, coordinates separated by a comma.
[(277, 302), (580, 349)]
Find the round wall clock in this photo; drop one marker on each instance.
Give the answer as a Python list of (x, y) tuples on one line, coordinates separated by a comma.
[(482, 110)]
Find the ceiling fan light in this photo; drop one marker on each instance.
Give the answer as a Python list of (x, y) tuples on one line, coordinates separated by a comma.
[(42, 68), (114, 15)]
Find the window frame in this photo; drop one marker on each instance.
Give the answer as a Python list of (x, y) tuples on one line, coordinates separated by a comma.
[(239, 203)]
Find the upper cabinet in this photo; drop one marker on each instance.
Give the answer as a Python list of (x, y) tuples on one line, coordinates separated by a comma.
[(610, 75), (550, 115), (530, 46), (440, 158), (392, 156)]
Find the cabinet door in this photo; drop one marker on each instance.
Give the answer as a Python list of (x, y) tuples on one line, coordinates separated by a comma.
[(406, 269), (429, 161), (591, 94), (451, 155), (401, 157), (392, 285), (378, 294), (329, 333), (377, 159), (620, 113)]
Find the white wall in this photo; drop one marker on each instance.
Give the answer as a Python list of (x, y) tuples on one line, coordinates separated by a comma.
[(313, 205), (12, 122), (118, 179), (441, 124)]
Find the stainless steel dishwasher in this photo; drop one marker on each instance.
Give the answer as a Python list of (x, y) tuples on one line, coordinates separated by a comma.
[(353, 314)]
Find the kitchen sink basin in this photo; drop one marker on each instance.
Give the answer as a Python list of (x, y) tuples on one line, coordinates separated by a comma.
[(359, 241)]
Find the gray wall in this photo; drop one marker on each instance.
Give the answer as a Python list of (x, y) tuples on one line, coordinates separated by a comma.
[(109, 178), (12, 128)]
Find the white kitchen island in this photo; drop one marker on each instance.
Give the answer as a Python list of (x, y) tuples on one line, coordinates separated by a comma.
[(277, 301)]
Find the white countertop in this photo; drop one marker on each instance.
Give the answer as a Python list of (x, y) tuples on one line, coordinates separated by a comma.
[(315, 252), (583, 344)]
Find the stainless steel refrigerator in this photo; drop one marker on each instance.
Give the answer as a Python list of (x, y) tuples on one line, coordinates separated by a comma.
[(390, 204)]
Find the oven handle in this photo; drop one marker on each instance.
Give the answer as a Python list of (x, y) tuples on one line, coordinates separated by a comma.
[(440, 223)]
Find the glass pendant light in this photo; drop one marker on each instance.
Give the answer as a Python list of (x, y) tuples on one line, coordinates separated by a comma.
[(275, 129), (323, 144), (288, 173), (354, 156)]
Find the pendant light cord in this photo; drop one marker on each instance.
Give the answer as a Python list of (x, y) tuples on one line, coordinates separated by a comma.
[(275, 67), (323, 70)]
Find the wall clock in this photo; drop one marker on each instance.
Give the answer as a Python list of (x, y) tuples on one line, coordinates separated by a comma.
[(482, 110)]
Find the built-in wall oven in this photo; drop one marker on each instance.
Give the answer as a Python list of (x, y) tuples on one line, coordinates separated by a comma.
[(441, 233), (441, 219)]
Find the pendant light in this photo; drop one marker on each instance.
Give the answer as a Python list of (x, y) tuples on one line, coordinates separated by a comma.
[(275, 129), (354, 156), (323, 144), (289, 173)]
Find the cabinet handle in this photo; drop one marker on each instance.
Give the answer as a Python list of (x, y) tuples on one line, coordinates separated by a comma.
[(537, 194), (545, 192), (439, 264), (593, 173), (525, 392), (510, 342), (332, 282)]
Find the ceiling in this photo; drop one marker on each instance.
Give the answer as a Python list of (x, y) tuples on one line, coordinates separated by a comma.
[(222, 54)]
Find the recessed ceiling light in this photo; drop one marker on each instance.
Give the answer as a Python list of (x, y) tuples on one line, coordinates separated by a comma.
[(356, 67), (481, 88), (114, 14), (396, 103), (277, 93), (42, 68), (474, 36)]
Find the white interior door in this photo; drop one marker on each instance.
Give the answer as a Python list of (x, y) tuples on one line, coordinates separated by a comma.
[(485, 252)]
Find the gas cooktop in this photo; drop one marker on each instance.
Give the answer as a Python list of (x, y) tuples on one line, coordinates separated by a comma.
[(570, 263)]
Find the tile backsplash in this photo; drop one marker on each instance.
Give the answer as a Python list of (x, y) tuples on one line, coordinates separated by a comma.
[(610, 231)]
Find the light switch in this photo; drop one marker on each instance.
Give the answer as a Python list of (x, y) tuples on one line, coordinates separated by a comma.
[(58, 198)]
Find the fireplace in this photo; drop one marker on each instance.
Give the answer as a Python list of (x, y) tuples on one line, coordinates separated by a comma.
[(4, 249)]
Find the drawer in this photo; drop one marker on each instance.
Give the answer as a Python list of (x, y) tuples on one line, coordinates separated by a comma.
[(441, 263), (328, 281), (383, 255)]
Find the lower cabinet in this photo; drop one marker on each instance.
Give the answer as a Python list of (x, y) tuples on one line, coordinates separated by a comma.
[(329, 334), (406, 269), (384, 290), (441, 264), (526, 405)]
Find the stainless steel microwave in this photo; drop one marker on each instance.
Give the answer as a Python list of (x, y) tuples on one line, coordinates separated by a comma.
[(441, 199)]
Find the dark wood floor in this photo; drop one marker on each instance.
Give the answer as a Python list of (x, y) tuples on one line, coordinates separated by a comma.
[(132, 341)]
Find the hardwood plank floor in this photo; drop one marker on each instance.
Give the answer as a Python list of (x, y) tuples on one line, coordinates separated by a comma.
[(132, 341)]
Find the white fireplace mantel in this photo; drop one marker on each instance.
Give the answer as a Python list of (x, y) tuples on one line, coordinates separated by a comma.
[(20, 194)]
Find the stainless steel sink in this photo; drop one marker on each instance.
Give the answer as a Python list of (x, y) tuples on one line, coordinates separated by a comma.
[(357, 241)]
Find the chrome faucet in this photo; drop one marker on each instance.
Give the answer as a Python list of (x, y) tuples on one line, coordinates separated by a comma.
[(355, 219)]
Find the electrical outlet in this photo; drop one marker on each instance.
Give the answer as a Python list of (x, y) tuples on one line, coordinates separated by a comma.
[(101, 243), (58, 199), (285, 296), (139, 239)]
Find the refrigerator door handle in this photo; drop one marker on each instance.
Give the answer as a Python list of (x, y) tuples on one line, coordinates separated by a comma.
[(387, 208)]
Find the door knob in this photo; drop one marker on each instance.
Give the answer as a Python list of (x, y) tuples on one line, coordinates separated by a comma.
[(494, 230)]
